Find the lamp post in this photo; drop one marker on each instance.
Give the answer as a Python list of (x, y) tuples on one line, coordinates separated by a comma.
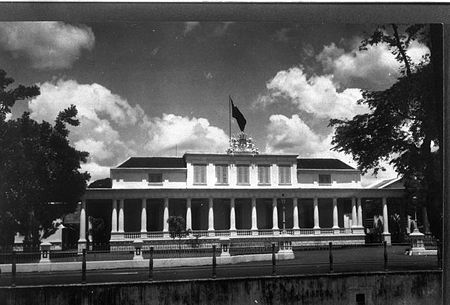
[(283, 202)]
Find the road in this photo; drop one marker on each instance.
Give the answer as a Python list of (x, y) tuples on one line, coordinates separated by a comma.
[(305, 262)]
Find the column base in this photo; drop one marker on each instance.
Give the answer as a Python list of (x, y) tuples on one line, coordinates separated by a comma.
[(276, 231), (143, 234), (387, 238), (166, 234), (296, 231), (233, 232), (316, 231), (254, 232), (211, 233), (82, 244), (336, 230)]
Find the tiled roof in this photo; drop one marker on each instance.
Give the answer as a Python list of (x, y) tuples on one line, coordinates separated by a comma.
[(321, 164), (154, 162)]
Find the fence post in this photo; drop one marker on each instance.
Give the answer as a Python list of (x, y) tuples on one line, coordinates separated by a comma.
[(385, 256), (274, 272), (13, 269), (330, 247), (83, 268), (439, 254), (214, 262), (150, 265)]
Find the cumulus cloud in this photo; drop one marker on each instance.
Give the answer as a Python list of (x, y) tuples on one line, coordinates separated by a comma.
[(293, 135), (171, 132), (112, 130), (316, 95), (372, 69), (48, 45), (103, 117)]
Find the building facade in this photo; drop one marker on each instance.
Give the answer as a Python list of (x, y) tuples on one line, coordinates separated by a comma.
[(238, 194)]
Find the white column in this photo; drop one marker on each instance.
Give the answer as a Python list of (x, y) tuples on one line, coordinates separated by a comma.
[(232, 217), (114, 216), (275, 216), (210, 216), (316, 214), (295, 213), (385, 216), (354, 215), (386, 234), (254, 217), (335, 214), (83, 222), (360, 217), (144, 216), (188, 214), (121, 222), (166, 217)]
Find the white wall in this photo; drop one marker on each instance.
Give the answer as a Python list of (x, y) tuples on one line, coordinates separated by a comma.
[(339, 178)]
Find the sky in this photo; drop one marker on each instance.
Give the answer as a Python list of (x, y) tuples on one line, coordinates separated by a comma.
[(162, 88)]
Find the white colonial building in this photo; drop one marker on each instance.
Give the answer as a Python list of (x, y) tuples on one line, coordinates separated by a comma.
[(238, 194)]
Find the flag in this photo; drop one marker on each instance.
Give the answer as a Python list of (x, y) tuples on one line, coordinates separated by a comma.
[(235, 113)]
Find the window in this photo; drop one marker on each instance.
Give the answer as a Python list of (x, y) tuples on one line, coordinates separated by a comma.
[(263, 174), (199, 174), (155, 178), (324, 179), (242, 174), (284, 174), (222, 174)]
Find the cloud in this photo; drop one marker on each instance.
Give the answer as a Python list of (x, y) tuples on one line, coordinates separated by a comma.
[(222, 28), (49, 45), (293, 135), (316, 95), (190, 26), (112, 130), (103, 117), (373, 69), (172, 132)]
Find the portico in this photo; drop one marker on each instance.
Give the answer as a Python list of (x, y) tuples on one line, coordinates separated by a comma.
[(260, 213)]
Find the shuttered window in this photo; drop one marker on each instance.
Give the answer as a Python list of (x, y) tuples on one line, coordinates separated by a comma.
[(284, 174), (263, 174), (242, 174), (200, 174), (222, 174)]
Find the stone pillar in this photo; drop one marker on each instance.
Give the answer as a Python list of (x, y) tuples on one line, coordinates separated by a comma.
[(354, 213), (45, 252), (82, 240), (210, 216), (254, 217), (426, 223), (335, 217), (295, 215), (275, 217), (232, 218), (144, 218), (165, 218), (360, 217), (121, 220), (316, 216), (89, 239), (188, 214), (386, 234), (114, 217)]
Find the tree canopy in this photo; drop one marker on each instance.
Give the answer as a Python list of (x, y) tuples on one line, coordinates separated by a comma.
[(39, 169), (404, 122)]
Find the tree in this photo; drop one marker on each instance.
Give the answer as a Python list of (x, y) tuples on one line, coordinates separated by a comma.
[(404, 123), (39, 169)]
